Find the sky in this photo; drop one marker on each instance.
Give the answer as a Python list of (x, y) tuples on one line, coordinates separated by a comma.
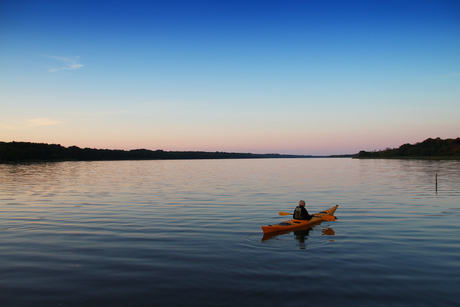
[(292, 77)]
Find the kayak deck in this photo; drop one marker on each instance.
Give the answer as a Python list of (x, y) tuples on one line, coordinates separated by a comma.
[(293, 224)]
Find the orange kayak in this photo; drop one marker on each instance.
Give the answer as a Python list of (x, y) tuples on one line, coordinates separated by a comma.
[(293, 224)]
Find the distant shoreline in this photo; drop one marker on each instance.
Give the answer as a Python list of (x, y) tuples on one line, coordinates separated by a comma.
[(28, 152), (409, 158), (430, 149)]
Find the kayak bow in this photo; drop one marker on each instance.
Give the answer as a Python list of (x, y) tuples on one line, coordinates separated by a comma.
[(293, 224)]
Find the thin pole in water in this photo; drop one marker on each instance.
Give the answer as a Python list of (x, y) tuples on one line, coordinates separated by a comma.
[(436, 179)]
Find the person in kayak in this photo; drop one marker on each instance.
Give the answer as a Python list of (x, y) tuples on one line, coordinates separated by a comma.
[(300, 213)]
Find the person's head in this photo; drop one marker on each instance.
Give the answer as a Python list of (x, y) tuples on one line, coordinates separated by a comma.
[(301, 203)]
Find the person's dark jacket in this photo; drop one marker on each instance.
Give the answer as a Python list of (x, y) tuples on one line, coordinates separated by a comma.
[(300, 213)]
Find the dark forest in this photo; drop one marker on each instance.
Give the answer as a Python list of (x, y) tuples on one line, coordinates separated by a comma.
[(29, 152), (428, 149)]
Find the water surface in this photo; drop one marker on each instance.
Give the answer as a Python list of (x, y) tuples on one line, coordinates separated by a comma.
[(170, 233)]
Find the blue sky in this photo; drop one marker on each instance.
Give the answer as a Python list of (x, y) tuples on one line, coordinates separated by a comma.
[(303, 77)]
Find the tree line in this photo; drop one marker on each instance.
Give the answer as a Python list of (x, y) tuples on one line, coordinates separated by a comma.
[(429, 148), (26, 151)]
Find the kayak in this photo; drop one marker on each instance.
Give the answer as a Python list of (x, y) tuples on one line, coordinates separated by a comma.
[(293, 224)]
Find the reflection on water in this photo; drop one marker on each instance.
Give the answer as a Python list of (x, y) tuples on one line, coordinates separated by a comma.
[(137, 233), (328, 232), (300, 235)]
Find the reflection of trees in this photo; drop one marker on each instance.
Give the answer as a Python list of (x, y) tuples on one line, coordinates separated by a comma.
[(428, 148), (24, 151)]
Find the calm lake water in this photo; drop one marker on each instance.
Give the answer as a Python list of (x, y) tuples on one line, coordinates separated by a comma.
[(187, 233)]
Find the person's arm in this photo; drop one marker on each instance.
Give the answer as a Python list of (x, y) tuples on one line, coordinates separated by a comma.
[(305, 213), (309, 216)]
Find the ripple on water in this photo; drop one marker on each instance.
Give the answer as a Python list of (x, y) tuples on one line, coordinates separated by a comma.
[(140, 232)]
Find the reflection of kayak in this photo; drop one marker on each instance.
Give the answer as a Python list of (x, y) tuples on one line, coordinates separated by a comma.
[(293, 224), (303, 231)]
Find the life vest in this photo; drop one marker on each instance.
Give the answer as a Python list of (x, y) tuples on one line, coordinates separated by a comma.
[(298, 213)]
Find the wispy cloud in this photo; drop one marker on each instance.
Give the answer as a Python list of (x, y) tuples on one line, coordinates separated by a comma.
[(10, 127), (70, 63), (43, 122), (33, 123)]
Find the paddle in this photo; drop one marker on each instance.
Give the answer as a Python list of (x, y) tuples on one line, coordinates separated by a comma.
[(324, 217)]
